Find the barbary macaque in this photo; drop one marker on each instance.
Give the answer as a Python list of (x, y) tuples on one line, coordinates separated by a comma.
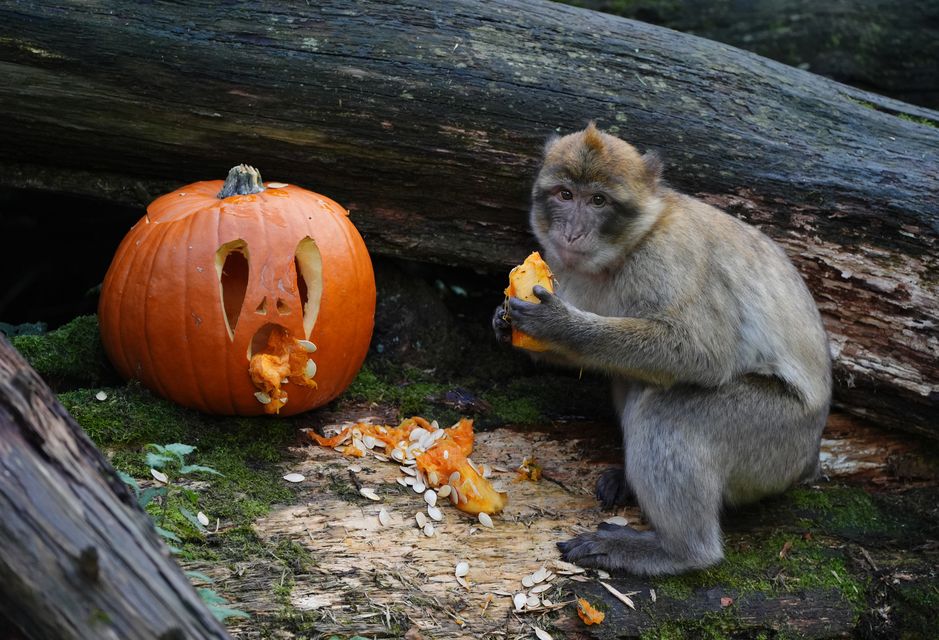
[(720, 363)]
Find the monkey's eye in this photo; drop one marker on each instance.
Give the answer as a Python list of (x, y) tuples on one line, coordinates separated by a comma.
[(566, 195), (598, 200)]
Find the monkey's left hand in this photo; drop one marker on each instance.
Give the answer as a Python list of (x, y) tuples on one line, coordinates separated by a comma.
[(550, 320)]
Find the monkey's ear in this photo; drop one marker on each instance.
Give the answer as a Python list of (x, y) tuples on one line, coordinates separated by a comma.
[(552, 139), (653, 167)]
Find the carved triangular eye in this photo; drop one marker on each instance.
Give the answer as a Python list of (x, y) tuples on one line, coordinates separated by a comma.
[(309, 266), (231, 265)]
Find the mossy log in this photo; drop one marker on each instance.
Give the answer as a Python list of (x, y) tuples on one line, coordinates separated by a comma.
[(890, 47), (427, 119), (78, 558)]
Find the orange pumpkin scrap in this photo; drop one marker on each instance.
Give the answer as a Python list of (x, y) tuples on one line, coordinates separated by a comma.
[(231, 297), (283, 359), (522, 280), (445, 459), (588, 613)]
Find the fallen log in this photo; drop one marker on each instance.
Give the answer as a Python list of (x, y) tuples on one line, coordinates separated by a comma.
[(426, 120), (78, 558), (865, 43)]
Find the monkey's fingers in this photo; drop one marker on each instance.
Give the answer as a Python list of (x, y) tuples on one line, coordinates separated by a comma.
[(541, 293)]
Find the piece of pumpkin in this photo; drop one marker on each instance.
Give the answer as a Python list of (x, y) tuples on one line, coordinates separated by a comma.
[(282, 360), (470, 491), (588, 613), (522, 280)]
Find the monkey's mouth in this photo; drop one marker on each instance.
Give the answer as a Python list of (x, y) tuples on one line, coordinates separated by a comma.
[(570, 256)]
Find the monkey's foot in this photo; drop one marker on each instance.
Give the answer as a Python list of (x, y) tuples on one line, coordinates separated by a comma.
[(618, 548), (613, 490)]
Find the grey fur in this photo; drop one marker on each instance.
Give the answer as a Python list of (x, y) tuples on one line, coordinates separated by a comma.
[(720, 363)]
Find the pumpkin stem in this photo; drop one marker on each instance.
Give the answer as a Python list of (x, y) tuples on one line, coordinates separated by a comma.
[(242, 180)]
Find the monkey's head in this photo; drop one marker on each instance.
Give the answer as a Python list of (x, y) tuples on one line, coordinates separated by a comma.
[(594, 200)]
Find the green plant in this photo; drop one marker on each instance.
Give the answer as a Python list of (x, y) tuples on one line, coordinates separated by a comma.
[(168, 466)]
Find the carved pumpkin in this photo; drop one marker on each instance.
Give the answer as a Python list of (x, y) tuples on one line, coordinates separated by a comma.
[(216, 279)]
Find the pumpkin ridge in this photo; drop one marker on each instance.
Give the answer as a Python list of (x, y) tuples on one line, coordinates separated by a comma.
[(203, 401), (152, 254)]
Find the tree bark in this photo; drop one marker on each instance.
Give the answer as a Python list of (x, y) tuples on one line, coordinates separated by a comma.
[(78, 558), (889, 47), (426, 120)]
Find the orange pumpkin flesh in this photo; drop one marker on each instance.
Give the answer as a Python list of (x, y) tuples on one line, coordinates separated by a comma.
[(282, 360), (588, 613), (522, 280), (449, 454), (202, 284)]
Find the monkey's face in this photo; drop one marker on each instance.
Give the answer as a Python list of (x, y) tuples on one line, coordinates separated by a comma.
[(594, 198)]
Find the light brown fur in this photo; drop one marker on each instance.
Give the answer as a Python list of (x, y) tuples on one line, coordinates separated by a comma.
[(718, 357)]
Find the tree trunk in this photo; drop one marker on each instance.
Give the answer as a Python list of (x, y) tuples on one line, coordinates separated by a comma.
[(78, 558), (426, 120), (889, 47)]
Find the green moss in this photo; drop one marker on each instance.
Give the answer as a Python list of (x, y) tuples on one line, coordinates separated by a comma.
[(711, 626), (843, 510), (752, 564), (69, 356), (923, 121), (914, 609)]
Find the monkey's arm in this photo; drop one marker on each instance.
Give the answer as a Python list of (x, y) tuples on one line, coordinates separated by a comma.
[(656, 351)]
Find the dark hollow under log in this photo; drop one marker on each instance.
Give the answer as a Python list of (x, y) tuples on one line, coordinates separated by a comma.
[(426, 120), (78, 558)]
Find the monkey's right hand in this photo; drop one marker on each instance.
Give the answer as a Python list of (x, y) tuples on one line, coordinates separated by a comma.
[(501, 326)]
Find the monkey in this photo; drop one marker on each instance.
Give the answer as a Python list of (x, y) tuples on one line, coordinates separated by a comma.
[(718, 357)]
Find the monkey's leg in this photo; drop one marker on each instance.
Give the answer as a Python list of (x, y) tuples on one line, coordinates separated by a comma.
[(613, 490), (691, 450), (678, 494)]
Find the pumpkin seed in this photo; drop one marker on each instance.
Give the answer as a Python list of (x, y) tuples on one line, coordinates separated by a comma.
[(276, 185), (435, 513), (421, 519), (294, 477), (434, 424), (620, 520), (370, 441), (519, 600), (432, 478), (384, 518), (540, 574), (369, 493), (446, 454), (528, 582), (417, 434), (541, 588), (418, 486), (444, 491), (542, 634), (402, 482), (462, 568), (485, 520), (159, 476), (262, 397), (411, 471), (101, 396), (463, 583), (533, 601), (307, 346), (380, 457), (430, 497), (454, 477), (203, 519), (428, 530)]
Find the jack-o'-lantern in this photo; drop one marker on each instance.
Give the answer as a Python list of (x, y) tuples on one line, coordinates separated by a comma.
[(240, 299)]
